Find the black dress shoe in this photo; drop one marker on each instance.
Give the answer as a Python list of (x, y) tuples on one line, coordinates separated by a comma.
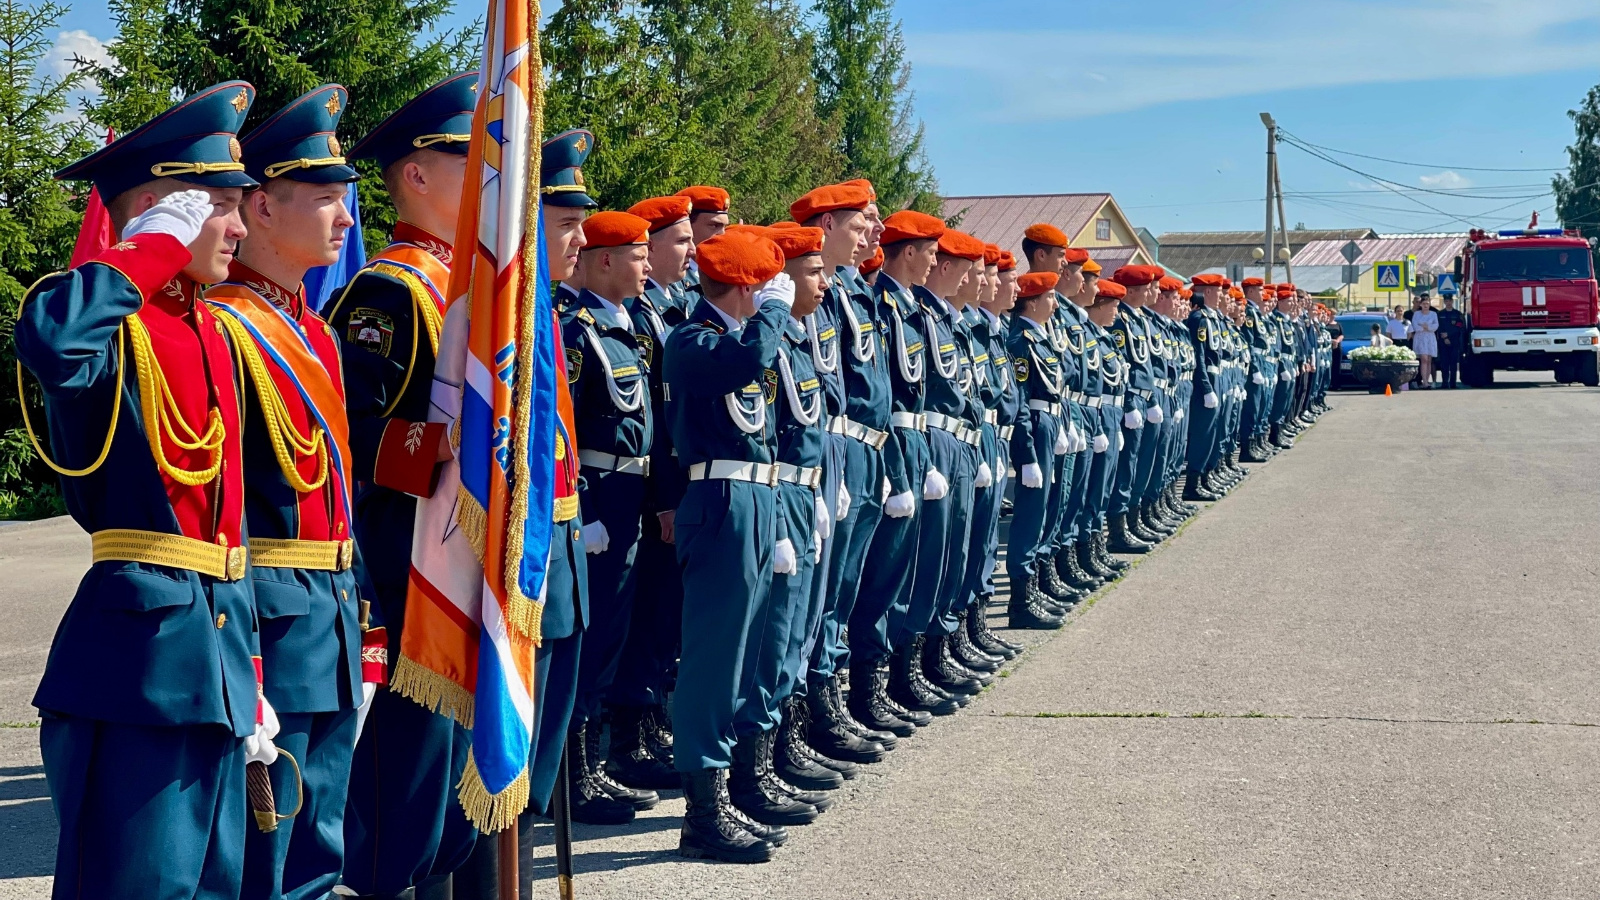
[(829, 733), (754, 794), (708, 831), (632, 760)]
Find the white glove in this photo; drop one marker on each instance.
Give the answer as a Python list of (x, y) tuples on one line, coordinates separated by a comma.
[(1257, 378), (1133, 420), (595, 538), (1154, 415), (1121, 441), (1032, 476), (783, 561), (368, 691), (886, 489), (1177, 415), (180, 215), (1210, 400), (1101, 443), (816, 547), (843, 509), (985, 476), (934, 487), (900, 505), (1063, 443), (258, 747), (780, 288), (824, 521), (1081, 438)]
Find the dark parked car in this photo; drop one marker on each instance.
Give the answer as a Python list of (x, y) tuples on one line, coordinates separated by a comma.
[(1357, 328)]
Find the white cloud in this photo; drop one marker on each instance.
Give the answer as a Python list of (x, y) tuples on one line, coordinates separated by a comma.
[(75, 44), (1339, 42), (1446, 180)]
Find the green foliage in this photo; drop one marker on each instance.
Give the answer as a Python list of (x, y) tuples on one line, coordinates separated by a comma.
[(1578, 191), (38, 219)]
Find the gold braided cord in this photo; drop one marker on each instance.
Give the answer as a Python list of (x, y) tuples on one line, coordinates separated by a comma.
[(161, 412), (111, 430), (288, 444)]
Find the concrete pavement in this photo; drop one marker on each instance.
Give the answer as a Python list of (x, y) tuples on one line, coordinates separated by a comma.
[(1366, 673)]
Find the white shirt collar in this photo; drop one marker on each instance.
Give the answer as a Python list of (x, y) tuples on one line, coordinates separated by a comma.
[(734, 325), (616, 310), (1030, 321)]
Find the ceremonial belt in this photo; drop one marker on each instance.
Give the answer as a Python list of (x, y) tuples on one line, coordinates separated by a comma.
[(323, 556), (1095, 402), (1141, 393), (158, 549), (872, 437), (1115, 399), (991, 417), (1005, 432), (610, 462), (1053, 409), (1161, 383), (914, 421), (960, 428), (805, 476), (1077, 396), (734, 470), (1214, 370)]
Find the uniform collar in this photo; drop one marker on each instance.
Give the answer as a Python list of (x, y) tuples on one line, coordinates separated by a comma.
[(439, 248), (292, 302), (606, 314)]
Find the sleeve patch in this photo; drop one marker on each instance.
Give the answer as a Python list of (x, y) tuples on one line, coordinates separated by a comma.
[(574, 364), (1022, 368), (370, 329)]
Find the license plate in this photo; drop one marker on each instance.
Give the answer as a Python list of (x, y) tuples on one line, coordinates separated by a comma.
[(1344, 365), (1535, 342)]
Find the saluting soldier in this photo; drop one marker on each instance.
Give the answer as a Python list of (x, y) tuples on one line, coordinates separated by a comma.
[(321, 655), (150, 698), (404, 826)]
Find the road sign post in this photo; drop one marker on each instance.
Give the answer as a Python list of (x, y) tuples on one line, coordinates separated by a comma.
[(1389, 277), (1351, 251), (1446, 284)]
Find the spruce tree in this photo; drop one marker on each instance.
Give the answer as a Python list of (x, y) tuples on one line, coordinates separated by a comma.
[(1578, 191)]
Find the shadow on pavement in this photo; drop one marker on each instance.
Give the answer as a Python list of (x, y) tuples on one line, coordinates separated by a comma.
[(27, 832)]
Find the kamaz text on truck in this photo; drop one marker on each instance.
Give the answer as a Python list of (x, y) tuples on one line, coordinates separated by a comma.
[(1533, 303)]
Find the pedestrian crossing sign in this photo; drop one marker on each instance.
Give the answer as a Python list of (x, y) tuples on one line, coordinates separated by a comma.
[(1387, 277), (1447, 283)]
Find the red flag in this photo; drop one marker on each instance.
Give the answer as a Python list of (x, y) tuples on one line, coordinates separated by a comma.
[(95, 235)]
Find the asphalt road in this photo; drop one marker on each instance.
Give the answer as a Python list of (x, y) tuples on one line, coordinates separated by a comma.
[(1365, 674)]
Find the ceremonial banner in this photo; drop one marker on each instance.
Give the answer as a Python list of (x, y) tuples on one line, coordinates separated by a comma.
[(481, 546)]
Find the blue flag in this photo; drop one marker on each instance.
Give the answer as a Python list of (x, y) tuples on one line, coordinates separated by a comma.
[(322, 281)]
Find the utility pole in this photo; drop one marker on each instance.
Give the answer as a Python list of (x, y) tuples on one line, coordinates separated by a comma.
[(1283, 222), (1272, 172)]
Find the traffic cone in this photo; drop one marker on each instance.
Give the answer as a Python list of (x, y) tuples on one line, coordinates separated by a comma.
[(1388, 390)]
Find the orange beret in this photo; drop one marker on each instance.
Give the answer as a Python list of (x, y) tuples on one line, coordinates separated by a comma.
[(1090, 267), (910, 225), (829, 198), (872, 263), (1236, 293), (1285, 290), (1035, 283), (1077, 256), (1109, 289), (1047, 234), (706, 198), (615, 229), (991, 255), (1208, 279), (741, 258), (796, 241), (1186, 293), (1133, 276), (960, 244), (1168, 283), (662, 211), (872, 192), (1251, 282), (1288, 286), (1008, 261), (782, 225)]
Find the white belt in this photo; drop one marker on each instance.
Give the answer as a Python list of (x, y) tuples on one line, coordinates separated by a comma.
[(1005, 431), (1141, 393), (734, 470), (628, 465), (1214, 370), (945, 423), (805, 476), (991, 417), (1161, 383), (1094, 402), (914, 421), (872, 437), (1053, 409)]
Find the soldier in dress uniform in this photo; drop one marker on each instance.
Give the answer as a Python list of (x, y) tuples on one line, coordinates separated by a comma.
[(404, 826), (1282, 435), (1206, 329), (150, 697), (321, 655), (1261, 340), (727, 532), (708, 217), (1105, 420), (1131, 333), (1072, 331)]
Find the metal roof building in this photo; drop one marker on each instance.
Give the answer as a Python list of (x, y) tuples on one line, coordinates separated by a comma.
[(1192, 252), (1092, 221)]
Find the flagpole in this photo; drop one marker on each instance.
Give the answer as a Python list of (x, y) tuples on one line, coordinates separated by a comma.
[(561, 811), (507, 851)]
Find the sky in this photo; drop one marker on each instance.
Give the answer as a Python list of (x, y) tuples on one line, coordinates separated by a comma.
[(1158, 102)]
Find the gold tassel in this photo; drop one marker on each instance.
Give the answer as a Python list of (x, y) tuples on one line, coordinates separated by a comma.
[(473, 520), (431, 690), (525, 617), (491, 812)]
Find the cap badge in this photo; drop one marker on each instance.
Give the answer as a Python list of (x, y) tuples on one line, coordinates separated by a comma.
[(234, 150), (333, 106), (581, 144), (333, 146), (577, 176), (241, 102)]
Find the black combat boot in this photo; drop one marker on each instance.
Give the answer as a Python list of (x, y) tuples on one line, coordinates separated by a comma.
[(1163, 517), (1252, 452), (1122, 539), (1175, 502), (983, 636), (1281, 438), (886, 739), (911, 691), (802, 714), (943, 671), (1064, 595), (1072, 573), (829, 733), (918, 717), (1102, 549), (776, 835), (794, 760), (708, 831), (640, 800), (984, 677), (755, 796), (591, 804), (1143, 526), (1090, 560), (867, 703), (632, 760), (967, 652), (767, 749)]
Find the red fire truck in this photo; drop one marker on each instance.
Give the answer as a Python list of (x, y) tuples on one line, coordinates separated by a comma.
[(1533, 303)]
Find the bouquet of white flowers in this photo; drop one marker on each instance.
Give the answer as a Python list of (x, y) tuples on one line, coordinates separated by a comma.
[(1382, 354)]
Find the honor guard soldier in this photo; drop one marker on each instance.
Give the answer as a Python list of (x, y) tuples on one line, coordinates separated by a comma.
[(1072, 339), (1206, 327), (1175, 311), (640, 754), (708, 217), (727, 532), (1282, 436), (149, 699), (608, 374), (321, 657), (1131, 333), (1260, 339), (404, 826), (1102, 308)]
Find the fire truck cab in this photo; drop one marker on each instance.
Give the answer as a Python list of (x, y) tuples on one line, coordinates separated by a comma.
[(1533, 305)]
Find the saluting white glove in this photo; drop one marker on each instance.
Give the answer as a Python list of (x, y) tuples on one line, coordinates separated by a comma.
[(181, 215), (1133, 420), (824, 521), (843, 509), (368, 691), (1154, 415), (258, 747), (1257, 378), (985, 476), (934, 487), (595, 538), (1210, 400), (900, 505), (1032, 476), (1063, 443), (783, 561), (1101, 443), (780, 288)]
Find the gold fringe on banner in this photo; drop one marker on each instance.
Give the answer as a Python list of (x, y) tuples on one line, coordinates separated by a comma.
[(431, 690), (473, 521), (491, 812)]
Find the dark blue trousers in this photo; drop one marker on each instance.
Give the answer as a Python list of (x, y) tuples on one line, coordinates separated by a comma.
[(886, 584), (852, 536), (617, 498), (984, 548), (834, 454), (303, 859), (650, 655), (1031, 510), (1124, 493), (781, 625), (950, 594), (556, 668)]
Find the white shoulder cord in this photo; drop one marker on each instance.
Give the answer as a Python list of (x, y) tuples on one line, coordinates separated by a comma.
[(627, 401), (806, 417), (827, 363)]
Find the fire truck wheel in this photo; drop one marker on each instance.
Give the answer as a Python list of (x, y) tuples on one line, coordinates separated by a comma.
[(1588, 370)]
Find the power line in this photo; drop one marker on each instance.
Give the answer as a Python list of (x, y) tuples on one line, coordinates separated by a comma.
[(1293, 142), (1418, 165), (1381, 182)]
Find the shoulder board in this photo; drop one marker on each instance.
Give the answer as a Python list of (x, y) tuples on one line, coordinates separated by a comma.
[(713, 324), (585, 316), (1031, 335)]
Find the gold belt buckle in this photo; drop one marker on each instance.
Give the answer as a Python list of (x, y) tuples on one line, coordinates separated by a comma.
[(347, 554), (238, 559)]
